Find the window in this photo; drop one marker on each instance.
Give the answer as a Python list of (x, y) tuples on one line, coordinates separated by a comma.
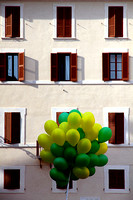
[(12, 20), (12, 128), (12, 179), (117, 120), (116, 179), (64, 67), (12, 66), (115, 66)]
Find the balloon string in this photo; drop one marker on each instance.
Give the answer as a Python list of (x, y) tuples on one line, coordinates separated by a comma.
[(67, 191)]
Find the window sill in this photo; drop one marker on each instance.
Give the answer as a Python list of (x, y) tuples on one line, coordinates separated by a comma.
[(64, 38), (12, 38), (18, 145), (117, 38), (120, 145)]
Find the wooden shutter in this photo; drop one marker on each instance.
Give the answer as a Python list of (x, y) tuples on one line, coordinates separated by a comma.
[(68, 13), (8, 128), (21, 66), (54, 67), (60, 22), (125, 66), (119, 22), (116, 179), (2, 66), (57, 117), (111, 21), (11, 179), (111, 118), (105, 65), (73, 70), (8, 21), (16, 21)]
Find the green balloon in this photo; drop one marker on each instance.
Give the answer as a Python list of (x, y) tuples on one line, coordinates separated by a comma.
[(66, 145), (75, 110), (57, 150), (61, 184), (73, 177), (82, 160), (102, 160), (70, 154), (104, 134), (60, 163), (63, 117), (94, 146), (58, 175), (82, 133), (94, 160), (92, 171)]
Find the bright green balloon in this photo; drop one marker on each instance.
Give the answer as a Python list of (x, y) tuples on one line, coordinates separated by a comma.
[(58, 136), (82, 134), (64, 126), (82, 160), (60, 163), (70, 154), (63, 117), (47, 156), (104, 134), (81, 172), (57, 150), (49, 126), (103, 160), (92, 171), (75, 110), (61, 184), (74, 120), (84, 145), (58, 175), (73, 177), (94, 160), (94, 146), (45, 141), (72, 136)]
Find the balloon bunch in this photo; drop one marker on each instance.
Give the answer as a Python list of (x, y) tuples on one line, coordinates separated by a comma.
[(75, 147)]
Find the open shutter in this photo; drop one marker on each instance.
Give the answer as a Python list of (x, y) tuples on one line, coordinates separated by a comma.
[(111, 19), (8, 128), (111, 124), (73, 71), (54, 67), (21, 66), (15, 127), (2, 66), (16, 22), (68, 16), (8, 21), (60, 22), (57, 117), (105, 63), (125, 66), (119, 22), (119, 131)]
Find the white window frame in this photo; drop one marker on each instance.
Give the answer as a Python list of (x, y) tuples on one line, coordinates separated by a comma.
[(126, 112), (23, 112), (126, 178), (54, 110), (3, 5), (55, 20), (22, 179), (125, 28)]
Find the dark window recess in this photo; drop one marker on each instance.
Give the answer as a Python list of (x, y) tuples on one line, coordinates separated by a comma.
[(12, 128), (116, 179), (12, 21), (65, 187), (11, 179)]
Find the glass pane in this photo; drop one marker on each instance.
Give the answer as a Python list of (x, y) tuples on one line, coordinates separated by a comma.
[(112, 66), (9, 65), (119, 66), (112, 57), (16, 66), (119, 75), (67, 68), (119, 58), (112, 75)]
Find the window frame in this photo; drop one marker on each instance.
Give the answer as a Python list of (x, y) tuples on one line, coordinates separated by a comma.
[(125, 24), (73, 21), (22, 179), (106, 178), (54, 110), (126, 112), (3, 5), (23, 113)]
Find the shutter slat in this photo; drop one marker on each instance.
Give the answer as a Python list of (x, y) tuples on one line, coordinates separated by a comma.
[(8, 21), (21, 66), (119, 117), (54, 67), (2, 66), (111, 22), (111, 124), (8, 128), (73, 70), (105, 64), (125, 66), (119, 22)]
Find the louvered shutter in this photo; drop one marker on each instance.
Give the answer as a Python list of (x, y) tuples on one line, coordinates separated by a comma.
[(125, 66), (8, 21), (8, 128), (105, 63), (21, 66), (16, 21), (60, 22), (54, 67), (116, 179), (57, 117), (119, 22), (2, 66), (111, 124), (73, 70), (111, 23), (68, 13), (119, 130)]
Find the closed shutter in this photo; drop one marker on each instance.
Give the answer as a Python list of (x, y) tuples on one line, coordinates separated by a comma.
[(125, 66), (8, 21), (2, 66), (8, 128), (111, 21), (68, 11), (11, 179), (16, 22), (119, 22), (73, 70), (60, 22), (105, 63), (116, 179), (54, 67), (21, 66)]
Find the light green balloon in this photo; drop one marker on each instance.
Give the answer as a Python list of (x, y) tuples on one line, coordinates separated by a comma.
[(49, 126), (47, 156)]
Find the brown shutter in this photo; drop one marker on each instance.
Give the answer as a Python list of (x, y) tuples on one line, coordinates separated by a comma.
[(111, 19), (57, 117), (12, 179), (105, 63), (111, 124), (119, 22), (73, 70), (15, 127), (2, 66), (119, 130), (8, 21), (116, 179), (68, 13), (21, 66), (16, 22), (8, 128), (60, 22), (54, 67), (125, 66)]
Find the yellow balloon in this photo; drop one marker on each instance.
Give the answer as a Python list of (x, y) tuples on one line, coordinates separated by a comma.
[(47, 156), (45, 141), (64, 126), (49, 126), (81, 172), (72, 137), (84, 145), (58, 136), (92, 133), (87, 121), (103, 149), (74, 120)]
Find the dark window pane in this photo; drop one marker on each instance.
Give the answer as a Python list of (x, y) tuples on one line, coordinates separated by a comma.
[(11, 179)]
